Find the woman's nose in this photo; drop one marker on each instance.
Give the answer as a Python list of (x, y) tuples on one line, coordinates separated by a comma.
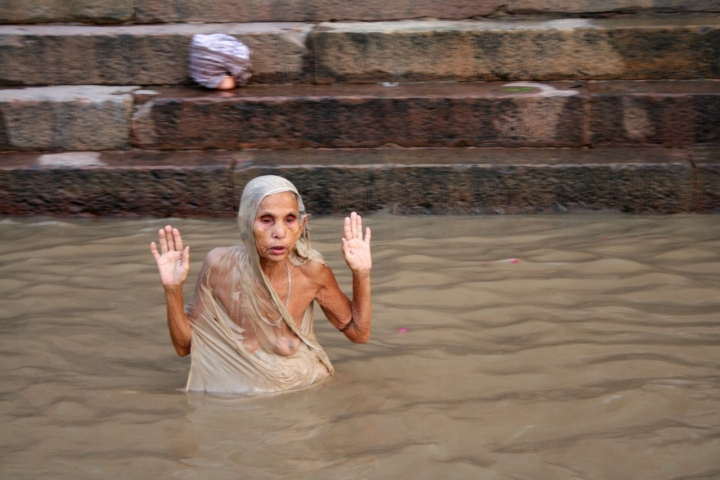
[(279, 231)]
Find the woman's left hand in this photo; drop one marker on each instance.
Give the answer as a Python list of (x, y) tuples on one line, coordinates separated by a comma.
[(356, 249)]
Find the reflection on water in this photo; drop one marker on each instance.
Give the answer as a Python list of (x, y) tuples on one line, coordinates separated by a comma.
[(594, 356)]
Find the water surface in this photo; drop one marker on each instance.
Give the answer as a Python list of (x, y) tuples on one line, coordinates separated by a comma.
[(595, 355)]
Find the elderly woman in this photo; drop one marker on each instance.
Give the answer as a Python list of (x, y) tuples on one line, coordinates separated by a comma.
[(249, 325)]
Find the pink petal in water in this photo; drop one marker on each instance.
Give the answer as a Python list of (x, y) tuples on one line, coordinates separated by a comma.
[(402, 330)]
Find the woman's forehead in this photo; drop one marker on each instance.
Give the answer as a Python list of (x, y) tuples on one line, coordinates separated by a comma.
[(283, 201)]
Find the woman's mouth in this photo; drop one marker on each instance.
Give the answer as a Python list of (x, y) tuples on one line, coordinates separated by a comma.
[(277, 250)]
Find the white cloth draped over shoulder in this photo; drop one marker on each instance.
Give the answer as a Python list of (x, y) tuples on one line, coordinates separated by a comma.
[(220, 362)]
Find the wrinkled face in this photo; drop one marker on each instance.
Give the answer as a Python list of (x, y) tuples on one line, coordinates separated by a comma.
[(277, 227)]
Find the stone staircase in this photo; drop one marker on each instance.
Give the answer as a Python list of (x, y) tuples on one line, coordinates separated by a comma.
[(518, 106)]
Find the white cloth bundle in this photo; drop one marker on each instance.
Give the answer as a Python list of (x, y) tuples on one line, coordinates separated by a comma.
[(215, 56)]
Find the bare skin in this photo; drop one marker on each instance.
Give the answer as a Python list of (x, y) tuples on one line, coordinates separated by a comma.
[(276, 229), (227, 83)]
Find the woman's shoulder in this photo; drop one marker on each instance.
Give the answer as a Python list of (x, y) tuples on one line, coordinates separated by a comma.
[(217, 253), (316, 271)]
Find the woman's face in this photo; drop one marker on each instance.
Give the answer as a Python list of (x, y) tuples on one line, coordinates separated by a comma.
[(277, 227)]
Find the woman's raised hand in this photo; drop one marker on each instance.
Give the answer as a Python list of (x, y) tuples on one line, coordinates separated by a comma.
[(355, 248), (174, 260)]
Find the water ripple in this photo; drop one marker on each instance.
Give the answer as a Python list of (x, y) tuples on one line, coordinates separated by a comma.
[(543, 347)]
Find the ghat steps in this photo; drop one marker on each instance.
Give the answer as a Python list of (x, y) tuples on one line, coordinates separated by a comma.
[(209, 11), (631, 48), (528, 105)]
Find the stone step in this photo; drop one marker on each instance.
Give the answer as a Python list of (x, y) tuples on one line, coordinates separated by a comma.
[(158, 184), (354, 116), (85, 117), (58, 11), (463, 180), (494, 180), (658, 47), (180, 11), (143, 54), (158, 11), (519, 114), (671, 114), (523, 114), (668, 47)]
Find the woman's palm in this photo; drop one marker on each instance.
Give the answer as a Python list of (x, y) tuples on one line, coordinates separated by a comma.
[(173, 260), (356, 249)]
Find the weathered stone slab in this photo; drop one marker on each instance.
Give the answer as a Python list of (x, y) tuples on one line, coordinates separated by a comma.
[(158, 11), (464, 180), (611, 6), (671, 114), (679, 47), (709, 188), (56, 11), (65, 118), (439, 115), (481, 181), (158, 184), (163, 11), (707, 163), (141, 55)]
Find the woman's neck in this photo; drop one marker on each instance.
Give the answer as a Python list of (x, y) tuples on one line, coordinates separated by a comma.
[(273, 269)]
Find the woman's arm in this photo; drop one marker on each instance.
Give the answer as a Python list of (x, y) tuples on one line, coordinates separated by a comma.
[(174, 265), (356, 250), (352, 317), (358, 328), (178, 324)]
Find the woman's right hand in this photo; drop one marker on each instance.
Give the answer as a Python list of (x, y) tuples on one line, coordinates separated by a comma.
[(173, 261)]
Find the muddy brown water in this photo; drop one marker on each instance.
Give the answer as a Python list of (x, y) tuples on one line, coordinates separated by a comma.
[(595, 356)]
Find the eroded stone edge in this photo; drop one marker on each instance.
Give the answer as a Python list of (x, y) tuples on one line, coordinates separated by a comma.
[(487, 189)]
